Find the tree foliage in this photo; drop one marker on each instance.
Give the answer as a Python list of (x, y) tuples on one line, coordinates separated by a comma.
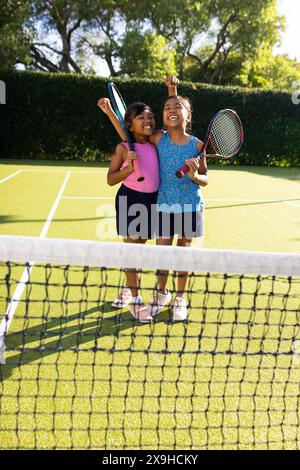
[(216, 41), (147, 56), (269, 71), (65, 18), (207, 35), (14, 33)]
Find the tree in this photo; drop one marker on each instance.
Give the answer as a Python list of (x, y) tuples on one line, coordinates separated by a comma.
[(147, 56), (14, 32), (81, 27), (103, 33), (63, 17), (213, 36), (269, 71), (216, 41), (179, 22), (122, 40)]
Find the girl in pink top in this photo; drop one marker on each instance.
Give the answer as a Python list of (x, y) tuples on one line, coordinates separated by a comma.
[(135, 200)]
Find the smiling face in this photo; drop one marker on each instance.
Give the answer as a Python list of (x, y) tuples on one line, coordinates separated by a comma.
[(143, 124), (139, 120), (176, 112)]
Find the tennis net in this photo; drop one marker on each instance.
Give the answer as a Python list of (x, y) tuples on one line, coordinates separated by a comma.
[(77, 373)]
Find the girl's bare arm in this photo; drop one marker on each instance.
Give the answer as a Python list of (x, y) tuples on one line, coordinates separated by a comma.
[(105, 106)]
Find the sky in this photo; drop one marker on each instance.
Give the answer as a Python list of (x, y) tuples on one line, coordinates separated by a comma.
[(291, 38)]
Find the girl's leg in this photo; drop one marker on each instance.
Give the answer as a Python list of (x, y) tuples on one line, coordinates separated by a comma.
[(182, 276), (137, 308), (132, 279), (162, 276), (179, 311), (162, 296)]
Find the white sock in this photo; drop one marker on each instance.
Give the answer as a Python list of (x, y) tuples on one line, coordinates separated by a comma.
[(163, 293)]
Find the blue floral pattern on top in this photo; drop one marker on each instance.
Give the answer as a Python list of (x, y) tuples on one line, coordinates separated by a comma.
[(174, 194)]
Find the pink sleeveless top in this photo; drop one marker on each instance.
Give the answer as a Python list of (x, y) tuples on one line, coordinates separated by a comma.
[(149, 167)]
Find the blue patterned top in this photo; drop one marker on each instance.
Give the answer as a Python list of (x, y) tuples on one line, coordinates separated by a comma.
[(174, 194)]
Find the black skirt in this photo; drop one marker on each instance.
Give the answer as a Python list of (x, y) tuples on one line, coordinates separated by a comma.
[(135, 213)]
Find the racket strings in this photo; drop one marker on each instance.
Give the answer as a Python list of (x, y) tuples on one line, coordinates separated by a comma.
[(225, 135)]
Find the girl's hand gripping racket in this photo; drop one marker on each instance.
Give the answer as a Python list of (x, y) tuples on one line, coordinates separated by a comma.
[(224, 137), (119, 107)]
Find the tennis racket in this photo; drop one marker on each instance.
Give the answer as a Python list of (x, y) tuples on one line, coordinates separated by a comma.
[(119, 107), (224, 138)]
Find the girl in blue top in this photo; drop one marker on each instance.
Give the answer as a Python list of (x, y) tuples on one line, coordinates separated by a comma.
[(179, 203)]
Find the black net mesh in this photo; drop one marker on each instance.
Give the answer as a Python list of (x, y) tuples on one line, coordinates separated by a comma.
[(80, 374)]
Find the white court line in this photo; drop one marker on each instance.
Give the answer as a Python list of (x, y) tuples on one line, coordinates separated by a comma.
[(12, 307), (10, 176), (37, 170), (293, 203), (206, 199), (54, 207), (238, 200), (104, 169), (89, 197), (251, 200)]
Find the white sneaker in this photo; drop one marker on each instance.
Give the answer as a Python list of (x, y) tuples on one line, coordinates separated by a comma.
[(159, 300), (123, 299), (139, 310), (179, 309)]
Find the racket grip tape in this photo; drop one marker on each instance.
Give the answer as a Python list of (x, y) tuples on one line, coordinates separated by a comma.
[(137, 169), (182, 171)]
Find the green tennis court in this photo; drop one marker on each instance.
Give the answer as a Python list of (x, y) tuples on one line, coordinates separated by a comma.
[(80, 374), (247, 208)]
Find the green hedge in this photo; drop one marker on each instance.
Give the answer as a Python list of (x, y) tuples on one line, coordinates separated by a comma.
[(55, 116)]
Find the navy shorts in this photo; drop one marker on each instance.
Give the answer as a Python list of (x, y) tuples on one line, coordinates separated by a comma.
[(183, 224), (135, 213)]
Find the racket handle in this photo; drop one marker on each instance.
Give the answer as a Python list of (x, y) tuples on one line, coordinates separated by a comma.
[(182, 171), (137, 169)]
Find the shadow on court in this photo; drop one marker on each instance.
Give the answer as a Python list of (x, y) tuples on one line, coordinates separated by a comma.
[(11, 219), (258, 203), (6, 219), (91, 325)]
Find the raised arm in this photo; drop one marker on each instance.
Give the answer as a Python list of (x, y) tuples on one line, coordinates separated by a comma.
[(105, 106), (171, 83)]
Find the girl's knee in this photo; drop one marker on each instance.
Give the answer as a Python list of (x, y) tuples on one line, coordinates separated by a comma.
[(134, 240), (161, 241), (184, 241)]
